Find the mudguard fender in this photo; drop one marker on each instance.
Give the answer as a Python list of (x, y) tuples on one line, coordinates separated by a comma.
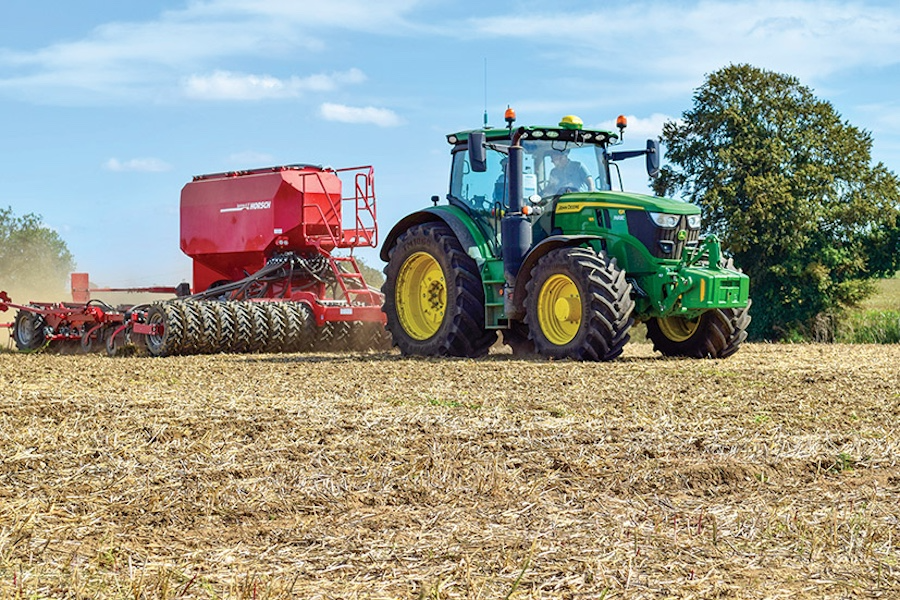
[(463, 227)]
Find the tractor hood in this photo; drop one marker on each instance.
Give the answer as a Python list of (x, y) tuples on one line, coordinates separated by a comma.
[(576, 202)]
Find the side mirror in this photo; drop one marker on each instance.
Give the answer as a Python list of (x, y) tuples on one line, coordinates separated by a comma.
[(652, 158), (477, 152)]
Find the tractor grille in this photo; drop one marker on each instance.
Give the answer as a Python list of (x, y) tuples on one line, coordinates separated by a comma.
[(662, 242)]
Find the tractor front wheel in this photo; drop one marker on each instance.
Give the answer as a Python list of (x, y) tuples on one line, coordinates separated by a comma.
[(578, 305), (716, 333), (433, 296)]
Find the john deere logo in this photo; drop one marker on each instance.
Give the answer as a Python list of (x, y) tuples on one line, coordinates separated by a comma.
[(682, 235)]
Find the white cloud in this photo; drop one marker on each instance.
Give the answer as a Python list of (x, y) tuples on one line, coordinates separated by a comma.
[(382, 117), (123, 61), (810, 39), (665, 47), (144, 165), (225, 85), (362, 15)]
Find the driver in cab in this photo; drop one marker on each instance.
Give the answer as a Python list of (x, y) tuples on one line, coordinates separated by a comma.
[(567, 175)]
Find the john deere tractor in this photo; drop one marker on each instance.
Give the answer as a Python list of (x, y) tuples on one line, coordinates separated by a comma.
[(534, 243)]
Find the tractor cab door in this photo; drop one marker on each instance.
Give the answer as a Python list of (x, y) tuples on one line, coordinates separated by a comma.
[(481, 194)]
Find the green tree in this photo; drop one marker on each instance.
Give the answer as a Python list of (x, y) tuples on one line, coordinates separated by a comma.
[(33, 258), (790, 188)]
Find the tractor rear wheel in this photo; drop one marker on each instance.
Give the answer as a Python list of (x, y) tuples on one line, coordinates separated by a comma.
[(28, 331), (578, 305), (434, 299), (716, 333)]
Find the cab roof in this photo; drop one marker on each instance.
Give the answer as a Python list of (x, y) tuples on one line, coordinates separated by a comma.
[(536, 132)]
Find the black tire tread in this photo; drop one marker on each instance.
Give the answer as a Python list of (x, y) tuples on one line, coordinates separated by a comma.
[(608, 319), (243, 326), (259, 320), (277, 330), (33, 321), (171, 340), (463, 332), (300, 328), (719, 335)]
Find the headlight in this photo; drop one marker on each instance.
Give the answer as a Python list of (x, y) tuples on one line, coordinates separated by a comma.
[(694, 221), (665, 220)]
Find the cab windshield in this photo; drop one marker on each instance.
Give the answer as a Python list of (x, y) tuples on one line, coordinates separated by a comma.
[(550, 168)]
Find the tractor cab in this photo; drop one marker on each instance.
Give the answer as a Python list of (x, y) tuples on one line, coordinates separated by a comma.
[(557, 160)]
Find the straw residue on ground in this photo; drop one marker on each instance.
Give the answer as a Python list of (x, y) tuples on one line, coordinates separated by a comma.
[(772, 474)]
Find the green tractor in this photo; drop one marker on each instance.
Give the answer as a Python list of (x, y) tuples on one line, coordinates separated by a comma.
[(534, 243)]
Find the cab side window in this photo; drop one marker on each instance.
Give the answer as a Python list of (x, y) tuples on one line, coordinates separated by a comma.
[(479, 191)]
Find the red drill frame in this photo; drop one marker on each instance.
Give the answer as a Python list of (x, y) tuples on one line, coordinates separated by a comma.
[(280, 223)]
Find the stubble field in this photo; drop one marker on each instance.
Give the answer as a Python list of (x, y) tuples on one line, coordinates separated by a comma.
[(772, 474)]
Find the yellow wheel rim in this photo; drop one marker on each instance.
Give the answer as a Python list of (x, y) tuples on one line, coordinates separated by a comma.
[(678, 329), (421, 296), (559, 310)]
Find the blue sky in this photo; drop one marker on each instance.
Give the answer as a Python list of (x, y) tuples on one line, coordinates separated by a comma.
[(108, 108)]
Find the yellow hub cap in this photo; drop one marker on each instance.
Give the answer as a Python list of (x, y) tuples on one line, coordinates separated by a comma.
[(678, 329), (421, 296), (559, 310)]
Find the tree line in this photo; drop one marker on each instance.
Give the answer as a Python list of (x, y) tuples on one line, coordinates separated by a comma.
[(33, 256)]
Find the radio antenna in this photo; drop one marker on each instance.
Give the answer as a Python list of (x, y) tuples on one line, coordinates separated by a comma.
[(485, 93)]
